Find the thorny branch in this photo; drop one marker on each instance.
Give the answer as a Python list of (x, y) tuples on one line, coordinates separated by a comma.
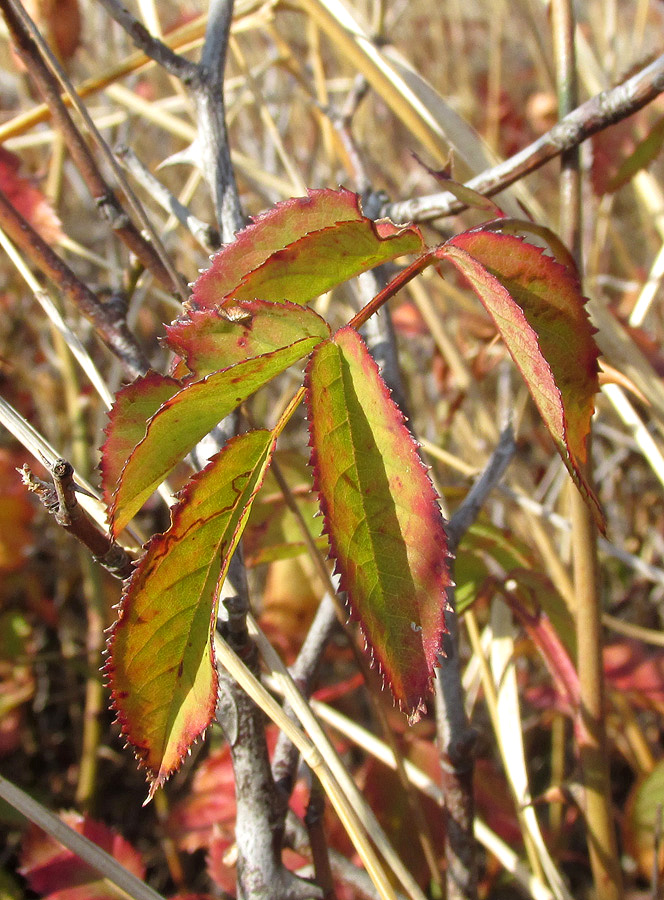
[(596, 114), (206, 235), (172, 62), (205, 81)]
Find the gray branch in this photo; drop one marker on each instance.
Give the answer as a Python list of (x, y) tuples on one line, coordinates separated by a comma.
[(206, 235), (172, 62), (456, 738), (598, 113)]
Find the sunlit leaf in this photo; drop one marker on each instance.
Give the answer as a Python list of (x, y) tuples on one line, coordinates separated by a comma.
[(327, 241), (539, 311), (161, 665), (381, 515), (127, 423), (216, 337), (324, 259), (183, 420), (270, 232)]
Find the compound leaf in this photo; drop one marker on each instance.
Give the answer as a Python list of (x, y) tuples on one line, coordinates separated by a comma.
[(161, 664), (381, 515), (539, 310)]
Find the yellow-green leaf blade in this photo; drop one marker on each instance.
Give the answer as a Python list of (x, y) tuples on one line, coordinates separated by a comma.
[(127, 423), (161, 665), (381, 515), (300, 249), (216, 337), (322, 260), (268, 233), (183, 420)]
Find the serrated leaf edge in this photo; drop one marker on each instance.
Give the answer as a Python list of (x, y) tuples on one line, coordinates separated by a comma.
[(413, 714), (108, 669)]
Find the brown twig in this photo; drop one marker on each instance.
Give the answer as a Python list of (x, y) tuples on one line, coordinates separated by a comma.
[(313, 819), (30, 52), (596, 114), (111, 327), (60, 500)]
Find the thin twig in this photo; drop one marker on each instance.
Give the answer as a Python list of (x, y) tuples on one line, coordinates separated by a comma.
[(596, 114), (157, 50), (211, 114), (39, 62), (206, 235), (468, 511), (313, 819), (303, 670), (261, 874), (110, 327), (343, 869), (456, 738), (60, 500)]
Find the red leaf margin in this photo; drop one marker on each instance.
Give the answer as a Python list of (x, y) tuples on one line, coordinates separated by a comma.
[(277, 231), (142, 751), (410, 698)]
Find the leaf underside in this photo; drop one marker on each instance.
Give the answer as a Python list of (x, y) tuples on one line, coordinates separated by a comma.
[(161, 664), (540, 313), (381, 515)]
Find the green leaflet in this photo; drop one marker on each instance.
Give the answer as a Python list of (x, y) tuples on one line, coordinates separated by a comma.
[(186, 418), (381, 515), (161, 665)]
